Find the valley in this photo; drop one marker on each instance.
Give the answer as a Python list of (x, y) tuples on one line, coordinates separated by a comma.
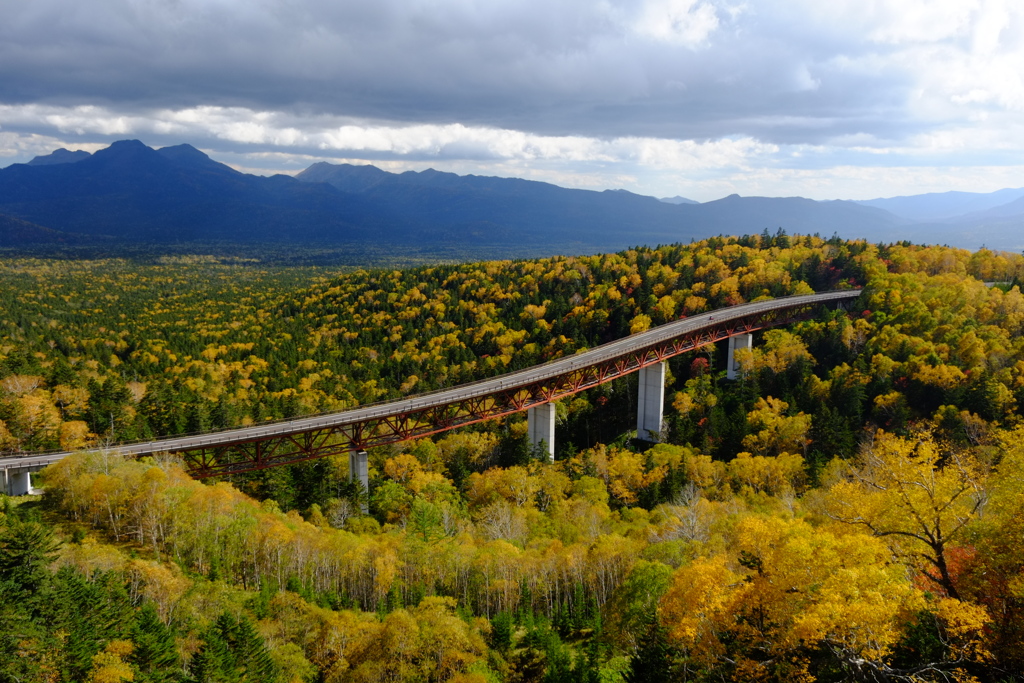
[(687, 559)]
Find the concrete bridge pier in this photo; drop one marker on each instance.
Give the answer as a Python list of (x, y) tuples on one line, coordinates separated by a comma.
[(650, 405), (540, 421), (741, 341), (21, 483), (17, 482), (359, 470)]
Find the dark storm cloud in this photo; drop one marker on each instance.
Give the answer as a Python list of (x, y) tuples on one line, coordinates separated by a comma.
[(695, 97), (680, 70)]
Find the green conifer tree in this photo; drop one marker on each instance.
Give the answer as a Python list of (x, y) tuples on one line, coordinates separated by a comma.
[(26, 549), (252, 656), (653, 662), (502, 629), (91, 611), (155, 655), (21, 637), (207, 665), (61, 372)]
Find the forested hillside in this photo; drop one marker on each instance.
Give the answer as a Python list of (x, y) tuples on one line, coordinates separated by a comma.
[(849, 509)]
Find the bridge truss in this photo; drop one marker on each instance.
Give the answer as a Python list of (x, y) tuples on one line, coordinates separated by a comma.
[(414, 423), (305, 438)]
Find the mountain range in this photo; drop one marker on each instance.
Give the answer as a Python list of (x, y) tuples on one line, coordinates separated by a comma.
[(131, 192)]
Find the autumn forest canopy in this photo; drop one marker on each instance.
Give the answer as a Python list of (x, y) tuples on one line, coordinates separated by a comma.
[(849, 508)]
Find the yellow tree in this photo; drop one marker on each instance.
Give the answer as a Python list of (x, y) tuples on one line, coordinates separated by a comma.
[(994, 571), (772, 431), (787, 588), (780, 351), (627, 476), (426, 643), (917, 498), (109, 666)]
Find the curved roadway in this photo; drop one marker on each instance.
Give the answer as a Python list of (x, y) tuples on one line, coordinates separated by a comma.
[(528, 376)]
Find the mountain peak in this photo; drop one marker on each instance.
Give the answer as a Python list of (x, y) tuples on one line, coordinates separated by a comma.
[(183, 151), (677, 200), (189, 157), (345, 177), (59, 156), (123, 150), (122, 145)]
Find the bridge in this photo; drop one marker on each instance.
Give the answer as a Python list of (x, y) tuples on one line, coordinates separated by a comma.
[(533, 390)]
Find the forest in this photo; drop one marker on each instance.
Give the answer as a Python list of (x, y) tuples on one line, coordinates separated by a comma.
[(850, 508)]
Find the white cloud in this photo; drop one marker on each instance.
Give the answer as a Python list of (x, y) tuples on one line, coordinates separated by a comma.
[(332, 135), (686, 22), (692, 97), (854, 165), (867, 182), (920, 21), (18, 147)]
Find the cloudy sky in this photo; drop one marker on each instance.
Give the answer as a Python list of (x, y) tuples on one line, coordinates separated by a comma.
[(701, 98)]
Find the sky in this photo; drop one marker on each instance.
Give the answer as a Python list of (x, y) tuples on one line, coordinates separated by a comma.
[(834, 99)]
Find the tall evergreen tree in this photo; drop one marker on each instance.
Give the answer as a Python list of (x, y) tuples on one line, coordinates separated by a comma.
[(26, 549), (233, 652), (208, 663), (156, 654), (91, 611), (21, 637), (653, 662), (107, 408), (61, 372), (830, 436), (586, 667), (251, 654)]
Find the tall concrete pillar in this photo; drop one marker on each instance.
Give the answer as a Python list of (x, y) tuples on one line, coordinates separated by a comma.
[(741, 341), (540, 422), (359, 470), (20, 482), (5, 487), (650, 405)]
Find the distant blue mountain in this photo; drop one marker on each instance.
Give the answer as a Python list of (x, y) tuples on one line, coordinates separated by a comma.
[(965, 219), (1000, 211), (608, 218), (129, 191), (678, 200), (512, 210), (132, 192), (943, 206)]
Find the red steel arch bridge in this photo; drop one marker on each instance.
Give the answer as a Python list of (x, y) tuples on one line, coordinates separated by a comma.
[(532, 389)]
